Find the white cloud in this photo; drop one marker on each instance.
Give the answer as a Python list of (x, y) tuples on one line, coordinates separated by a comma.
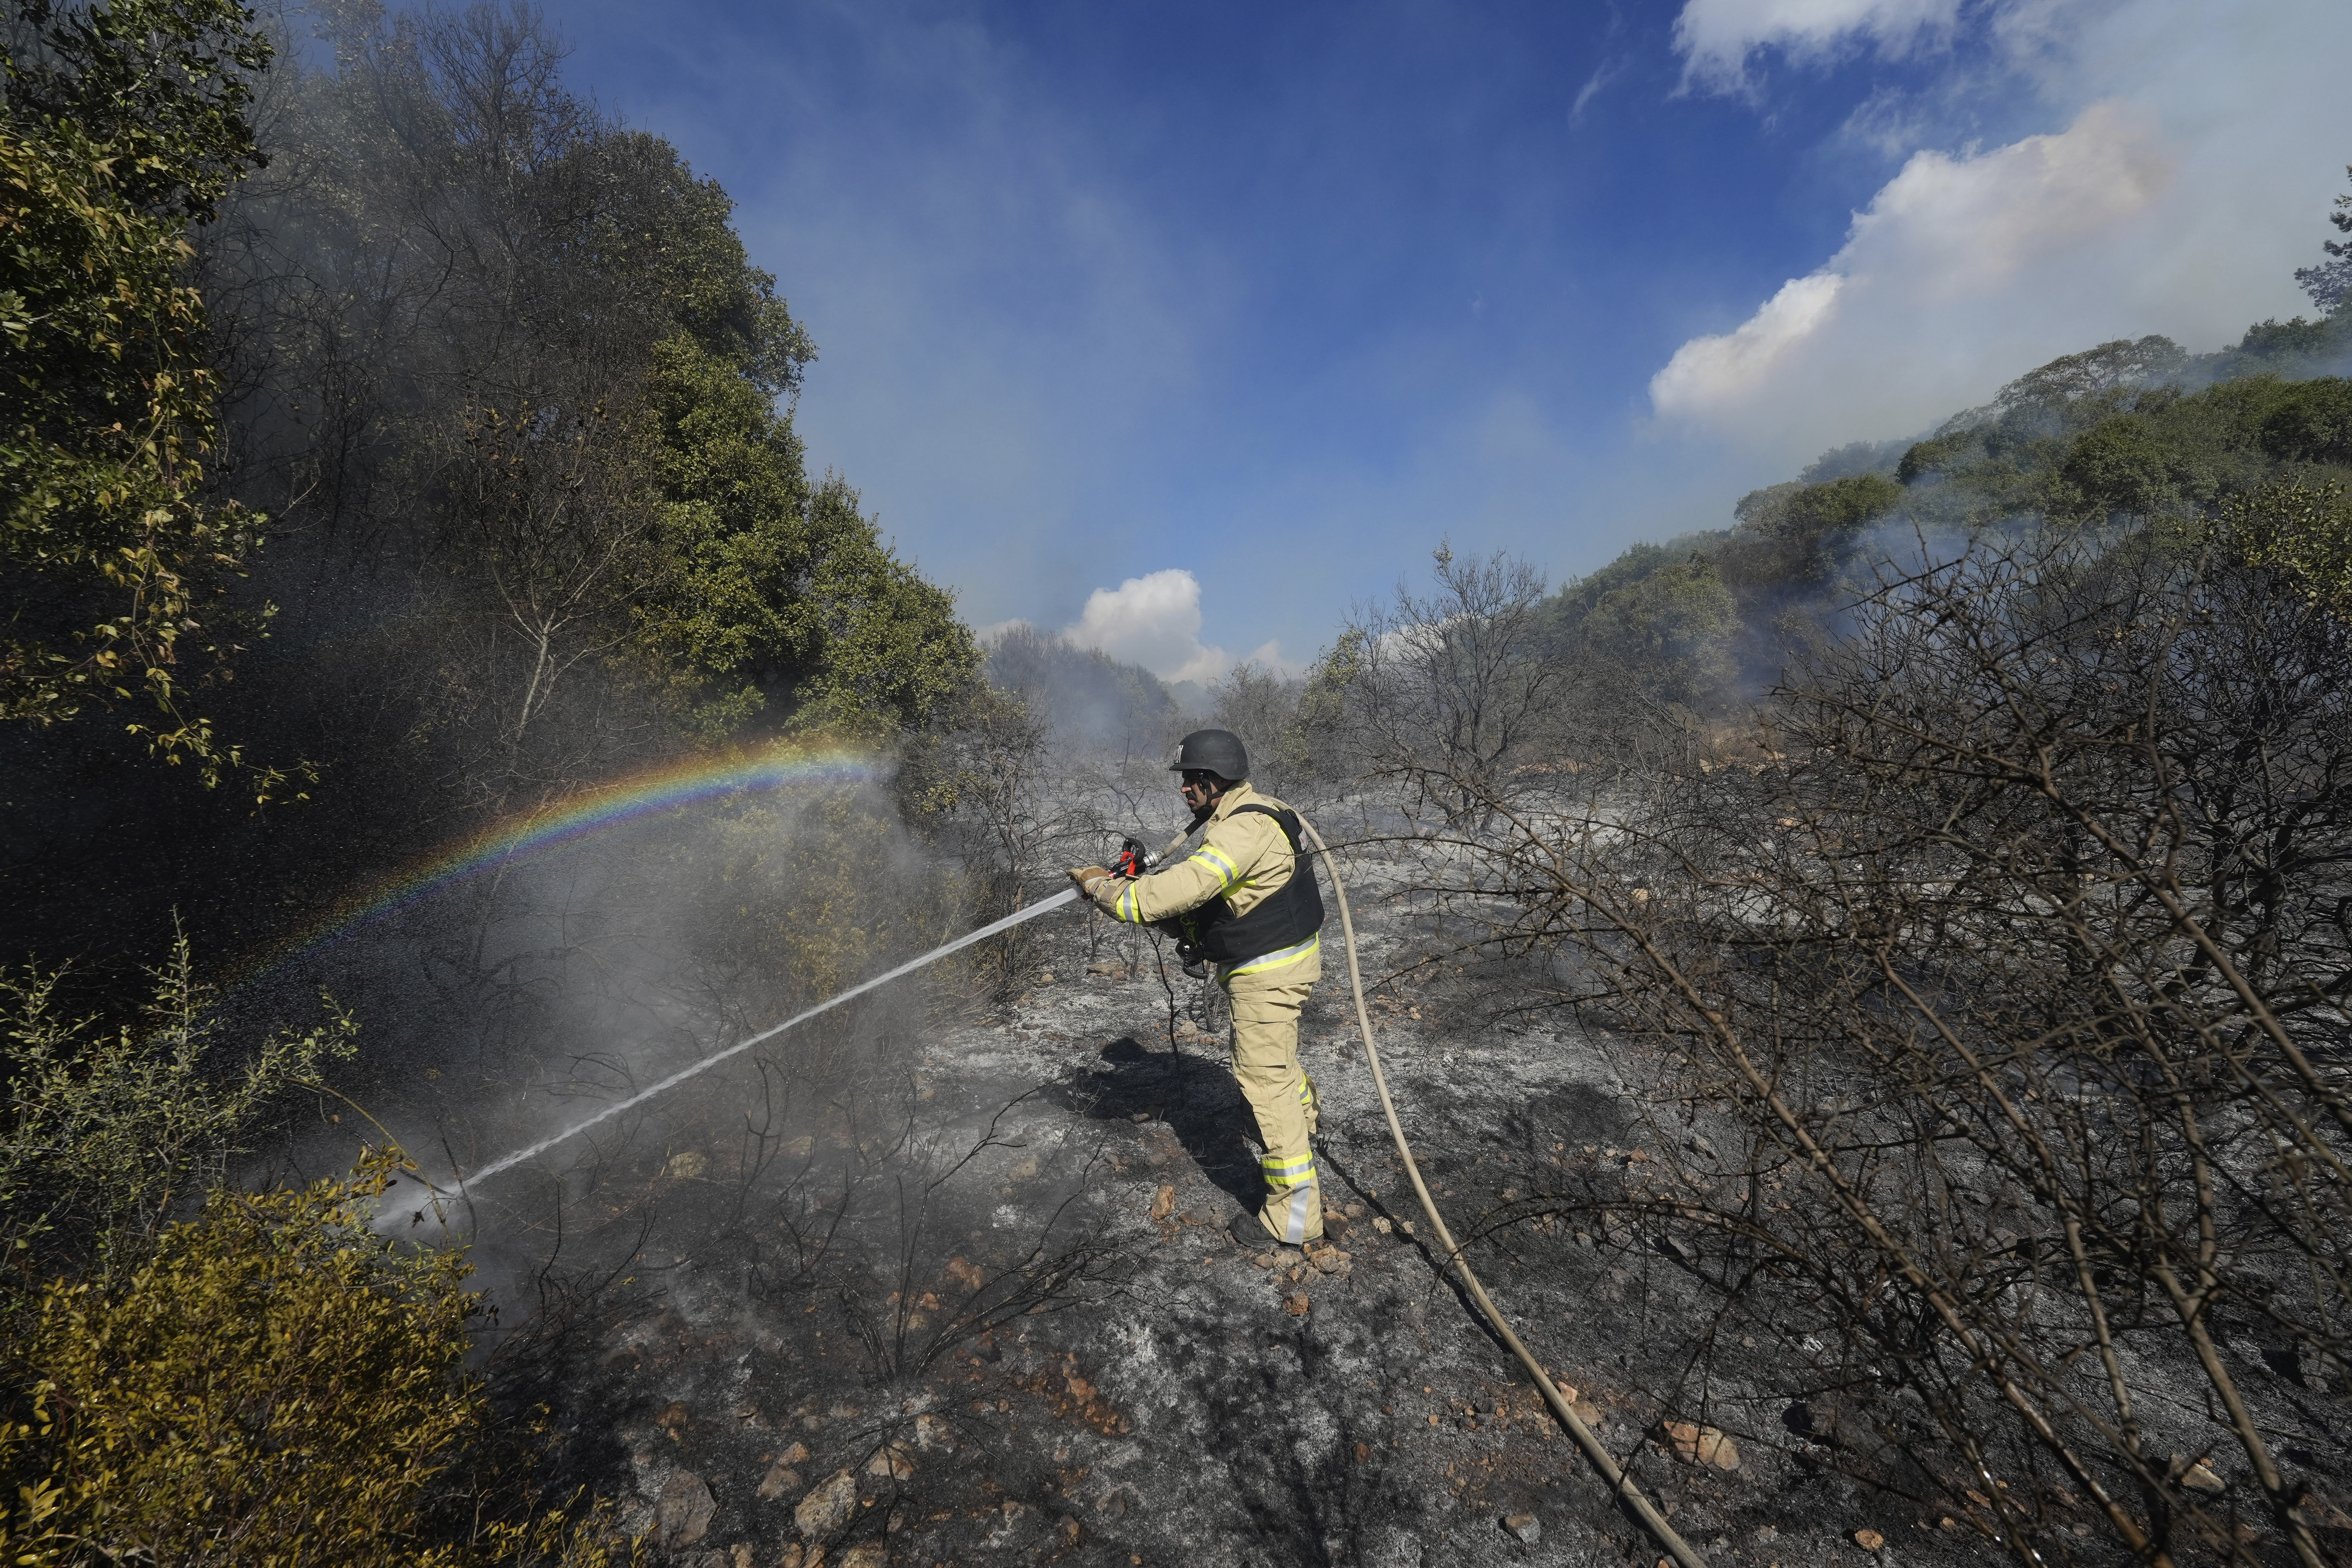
[(1602, 75), (1716, 38), (2179, 199), (1154, 621)]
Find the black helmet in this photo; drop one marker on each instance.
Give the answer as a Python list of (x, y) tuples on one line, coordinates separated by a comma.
[(1217, 751)]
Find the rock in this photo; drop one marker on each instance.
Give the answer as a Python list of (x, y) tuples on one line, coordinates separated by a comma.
[(1108, 966), (740, 1554), (866, 1555), (930, 1432), (894, 1461), (1019, 1528), (674, 1417), (1700, 1445), (1163, 1201), (1335, 1225), (1526, 1526), (777, 1482), (797, 1453), (1869, 1539), (1380, 1224), (1331, 1260), (1203, 1214), (1296, 1304), (2199, 1477), (687, 1167), (827, 1507), (684, 1512), (793, 1558)]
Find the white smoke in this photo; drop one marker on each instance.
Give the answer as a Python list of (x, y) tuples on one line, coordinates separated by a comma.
[(2196, 152)]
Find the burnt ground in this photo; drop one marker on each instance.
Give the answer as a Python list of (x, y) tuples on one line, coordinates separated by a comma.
[(1044, 1348)]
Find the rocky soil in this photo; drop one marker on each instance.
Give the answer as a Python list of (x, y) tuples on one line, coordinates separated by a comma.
[(1158, 1396)]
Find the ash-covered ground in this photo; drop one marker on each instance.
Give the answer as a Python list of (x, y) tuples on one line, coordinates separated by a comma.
[(982, 1306)]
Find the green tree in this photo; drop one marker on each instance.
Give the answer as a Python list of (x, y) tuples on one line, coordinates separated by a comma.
[(760, 582), (1672, 631), (124, 123), (2329, 284), (2302, 532)]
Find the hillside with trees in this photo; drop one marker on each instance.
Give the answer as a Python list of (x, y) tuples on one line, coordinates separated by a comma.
[(2127, 432)]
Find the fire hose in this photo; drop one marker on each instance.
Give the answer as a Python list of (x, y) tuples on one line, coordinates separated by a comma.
[(1621, 1485), (1134, 861)]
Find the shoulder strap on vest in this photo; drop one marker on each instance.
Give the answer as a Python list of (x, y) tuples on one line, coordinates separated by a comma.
[(1286, 820)]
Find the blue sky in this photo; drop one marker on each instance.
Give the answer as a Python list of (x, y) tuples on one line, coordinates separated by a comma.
[(1187, 327)]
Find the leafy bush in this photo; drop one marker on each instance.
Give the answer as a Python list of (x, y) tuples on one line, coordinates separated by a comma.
[(274, 1385), (106, 1133)]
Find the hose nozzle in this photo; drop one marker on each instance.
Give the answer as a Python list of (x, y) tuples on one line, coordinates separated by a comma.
[(1134, 859)]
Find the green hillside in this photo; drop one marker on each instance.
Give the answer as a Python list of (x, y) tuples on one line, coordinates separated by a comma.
[(2125, 431)]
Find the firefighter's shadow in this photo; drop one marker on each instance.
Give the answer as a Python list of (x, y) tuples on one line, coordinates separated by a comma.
[(1195, 1094)]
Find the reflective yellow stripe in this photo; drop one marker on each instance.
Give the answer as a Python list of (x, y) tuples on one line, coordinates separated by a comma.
[(1287, 1172), (1227, 877), (1276, 959), (1126, 909)]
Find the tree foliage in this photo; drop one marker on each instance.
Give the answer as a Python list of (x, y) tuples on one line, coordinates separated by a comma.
[(504, 368), (2329, 283), (123, 122)]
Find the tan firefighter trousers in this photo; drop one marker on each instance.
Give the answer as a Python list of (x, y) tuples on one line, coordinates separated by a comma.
[(1266, 1061)]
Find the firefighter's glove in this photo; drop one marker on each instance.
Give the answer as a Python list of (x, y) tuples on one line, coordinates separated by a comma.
[(1088, 878)]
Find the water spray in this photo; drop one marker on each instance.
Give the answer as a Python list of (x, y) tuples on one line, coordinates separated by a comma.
[(508, 1162)]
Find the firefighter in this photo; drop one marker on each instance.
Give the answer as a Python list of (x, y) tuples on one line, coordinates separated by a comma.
[(1246, 901)]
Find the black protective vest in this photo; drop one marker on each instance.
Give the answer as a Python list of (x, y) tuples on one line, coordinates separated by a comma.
[(1284, 918)]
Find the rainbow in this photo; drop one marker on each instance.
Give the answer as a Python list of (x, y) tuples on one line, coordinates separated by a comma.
[(524, 835)]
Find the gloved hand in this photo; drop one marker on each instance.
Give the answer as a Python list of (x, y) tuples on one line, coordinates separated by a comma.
[(1086, 877)]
